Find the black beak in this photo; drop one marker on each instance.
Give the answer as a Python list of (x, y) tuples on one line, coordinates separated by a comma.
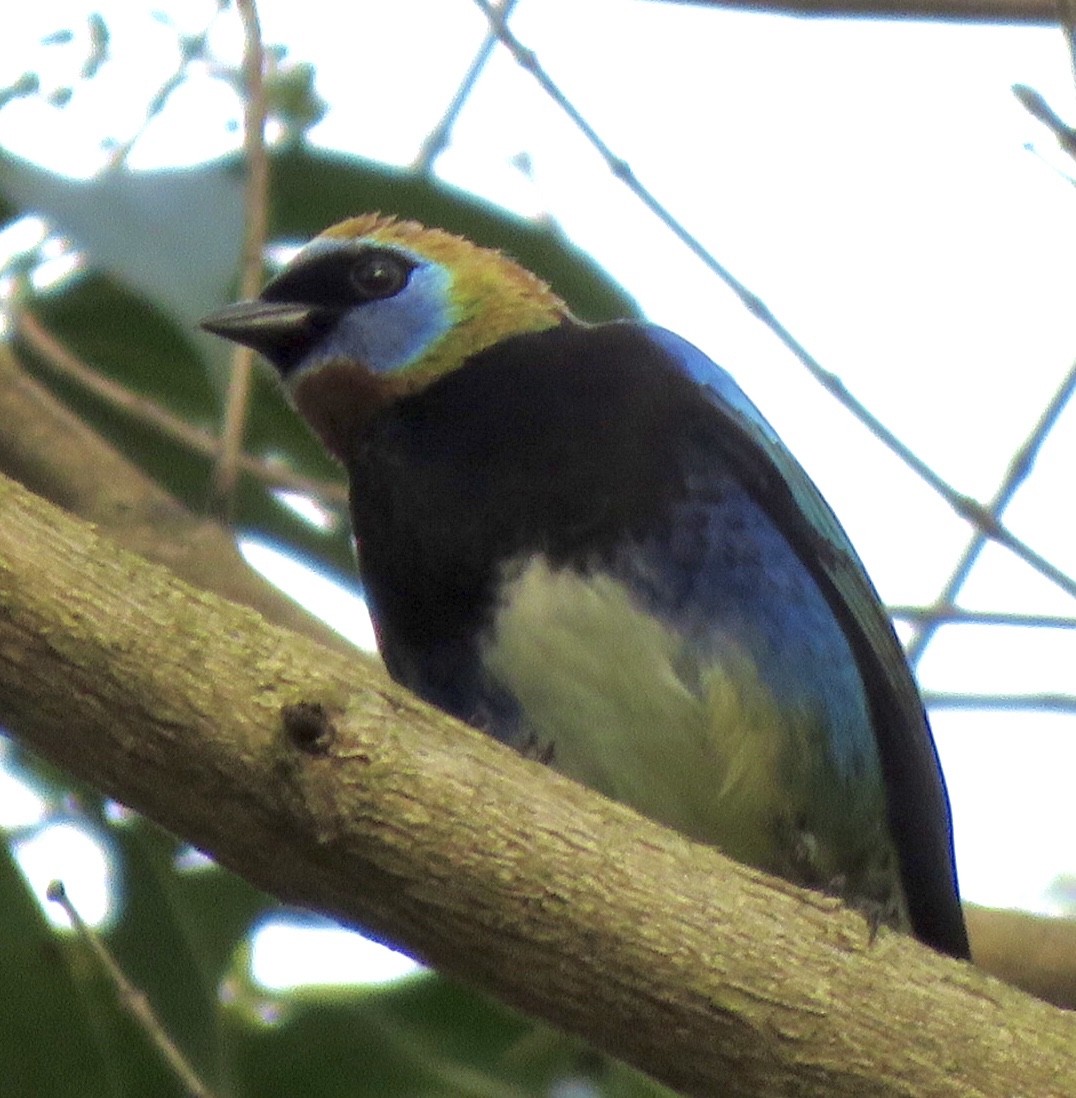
[(280, 330)]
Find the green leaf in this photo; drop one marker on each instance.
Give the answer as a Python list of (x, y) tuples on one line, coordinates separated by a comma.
[(423, 1036), (176, 939), (49, 1041), (170, 236)]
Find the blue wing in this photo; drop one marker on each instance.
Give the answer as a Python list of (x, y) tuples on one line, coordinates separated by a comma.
[(698, 672), (918, 805)]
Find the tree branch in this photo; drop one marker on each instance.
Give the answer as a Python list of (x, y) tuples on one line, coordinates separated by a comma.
[(1032, 952), (256, 227), (317, 779), (55, 454)]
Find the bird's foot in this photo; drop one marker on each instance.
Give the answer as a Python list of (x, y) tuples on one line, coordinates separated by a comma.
[(533, 749)]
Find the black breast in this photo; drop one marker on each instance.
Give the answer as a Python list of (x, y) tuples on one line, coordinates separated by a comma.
[(562, 441)]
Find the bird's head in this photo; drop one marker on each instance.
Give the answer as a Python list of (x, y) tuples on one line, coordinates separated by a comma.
[(374, 309)]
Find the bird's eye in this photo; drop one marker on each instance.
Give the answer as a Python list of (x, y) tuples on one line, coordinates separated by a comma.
[(380, 275)]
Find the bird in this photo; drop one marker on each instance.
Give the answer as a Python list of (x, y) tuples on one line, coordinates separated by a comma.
[(586, 541)]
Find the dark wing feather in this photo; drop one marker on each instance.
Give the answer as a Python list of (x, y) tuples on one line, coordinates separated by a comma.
[(918, 804)]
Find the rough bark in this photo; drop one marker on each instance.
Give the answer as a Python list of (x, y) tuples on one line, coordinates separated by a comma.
[(365, 804)]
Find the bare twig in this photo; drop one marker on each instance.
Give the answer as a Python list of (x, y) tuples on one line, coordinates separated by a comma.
[(66, 362), (969, 509), (1022, 463), (1040, 703), (1039, 109), (438, 138), (954, 615), (227, 467), (132, 999), (1066, 11), (120, 153), (61, 359)]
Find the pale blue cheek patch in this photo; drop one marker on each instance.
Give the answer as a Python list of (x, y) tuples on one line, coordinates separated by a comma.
[(394, 332)]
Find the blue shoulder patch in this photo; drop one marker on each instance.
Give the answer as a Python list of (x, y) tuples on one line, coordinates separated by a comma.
[(701, 368)]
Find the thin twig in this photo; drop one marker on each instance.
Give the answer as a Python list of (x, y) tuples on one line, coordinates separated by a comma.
[(175, 80), (1066, 11), (1039, 109), (132, 999), (439, 135), (226, 472), (968, 508), (1020, 467), (65, 362), (1046, 703), (953, 615)]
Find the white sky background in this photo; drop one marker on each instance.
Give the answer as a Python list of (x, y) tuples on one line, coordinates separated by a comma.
[(868, 180)]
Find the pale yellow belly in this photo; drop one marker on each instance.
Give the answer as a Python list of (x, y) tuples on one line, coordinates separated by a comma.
[(626, 706)]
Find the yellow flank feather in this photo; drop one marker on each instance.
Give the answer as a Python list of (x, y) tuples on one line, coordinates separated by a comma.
[(600, 679), (714, 755), (494, 297)]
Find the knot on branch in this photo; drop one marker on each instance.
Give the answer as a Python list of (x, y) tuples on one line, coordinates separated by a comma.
[(308, 727)]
